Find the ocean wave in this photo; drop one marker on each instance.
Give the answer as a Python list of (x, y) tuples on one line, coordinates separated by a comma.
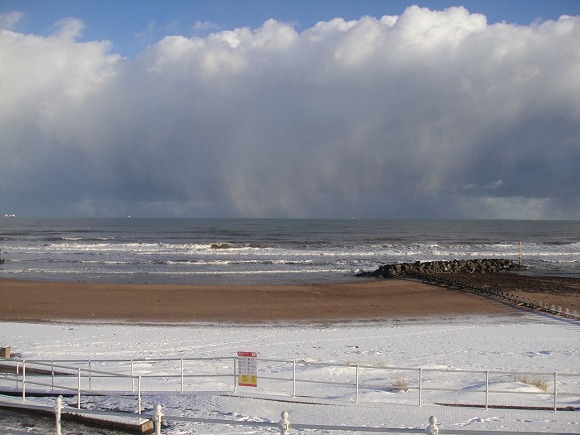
[(166, 248), (240, 262), (253, 272), (237, 245)]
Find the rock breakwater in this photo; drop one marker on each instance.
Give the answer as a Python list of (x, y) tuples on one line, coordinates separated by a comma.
[(454, 266)]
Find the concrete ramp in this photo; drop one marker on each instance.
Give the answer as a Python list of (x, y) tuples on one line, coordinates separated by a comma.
[(130, 423)]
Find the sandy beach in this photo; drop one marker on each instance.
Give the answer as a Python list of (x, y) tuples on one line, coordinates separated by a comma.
[(373, 299), (365, 300)]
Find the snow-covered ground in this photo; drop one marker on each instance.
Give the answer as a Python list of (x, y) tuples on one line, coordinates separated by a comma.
[(525, 343)]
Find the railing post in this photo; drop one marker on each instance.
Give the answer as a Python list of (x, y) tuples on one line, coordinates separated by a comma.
[(57, 414), (79, 388), (139, 395), (420, 386), (432, 429), (356, 380), (555, 392), (17, 372), (235, 374), (284, 424), (294, 378), (23, 380), (157, 416), (132, 377), (181, 369), (486, 389)]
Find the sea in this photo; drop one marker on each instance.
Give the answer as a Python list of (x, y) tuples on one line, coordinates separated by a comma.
[(269, 251)]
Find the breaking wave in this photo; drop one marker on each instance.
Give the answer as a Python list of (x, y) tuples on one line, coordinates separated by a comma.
[(335, 250)]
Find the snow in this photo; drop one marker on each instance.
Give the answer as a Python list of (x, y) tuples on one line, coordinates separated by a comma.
[(529, 343)]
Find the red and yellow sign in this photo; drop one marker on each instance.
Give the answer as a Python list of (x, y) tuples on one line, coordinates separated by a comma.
[(247, 369)]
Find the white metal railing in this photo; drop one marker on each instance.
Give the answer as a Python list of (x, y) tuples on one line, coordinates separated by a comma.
[(287, 427), (418, 380), (50, 377), (284, 426), (129, 379)]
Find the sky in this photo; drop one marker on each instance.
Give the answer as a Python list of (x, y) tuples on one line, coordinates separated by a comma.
[(302, 109)]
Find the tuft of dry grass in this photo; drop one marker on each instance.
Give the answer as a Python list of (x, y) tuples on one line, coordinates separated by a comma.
[(401, 384), (537, 382)]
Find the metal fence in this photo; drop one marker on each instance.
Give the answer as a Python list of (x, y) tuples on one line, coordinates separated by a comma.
[(300, 380), (49, 376), (284, 426)]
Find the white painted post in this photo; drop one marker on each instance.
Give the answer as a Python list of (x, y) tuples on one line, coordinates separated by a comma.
[(23, 381), (17, 372), (181, 370), (235, 374), (293, 378), (79, 388), (132, 378), (356, 381), (420, 386), (486, 389), (432, 429), (139, 395), (555, 392), (284, 424), (57, 414), (157, 416)]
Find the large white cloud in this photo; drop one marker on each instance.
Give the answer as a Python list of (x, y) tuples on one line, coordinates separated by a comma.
[(429, 114)]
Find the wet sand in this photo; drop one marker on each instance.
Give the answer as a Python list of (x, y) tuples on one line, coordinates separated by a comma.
[(364, 300), (556, 290)]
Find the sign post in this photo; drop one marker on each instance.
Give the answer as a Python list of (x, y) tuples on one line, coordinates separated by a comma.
[(247, 369)]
